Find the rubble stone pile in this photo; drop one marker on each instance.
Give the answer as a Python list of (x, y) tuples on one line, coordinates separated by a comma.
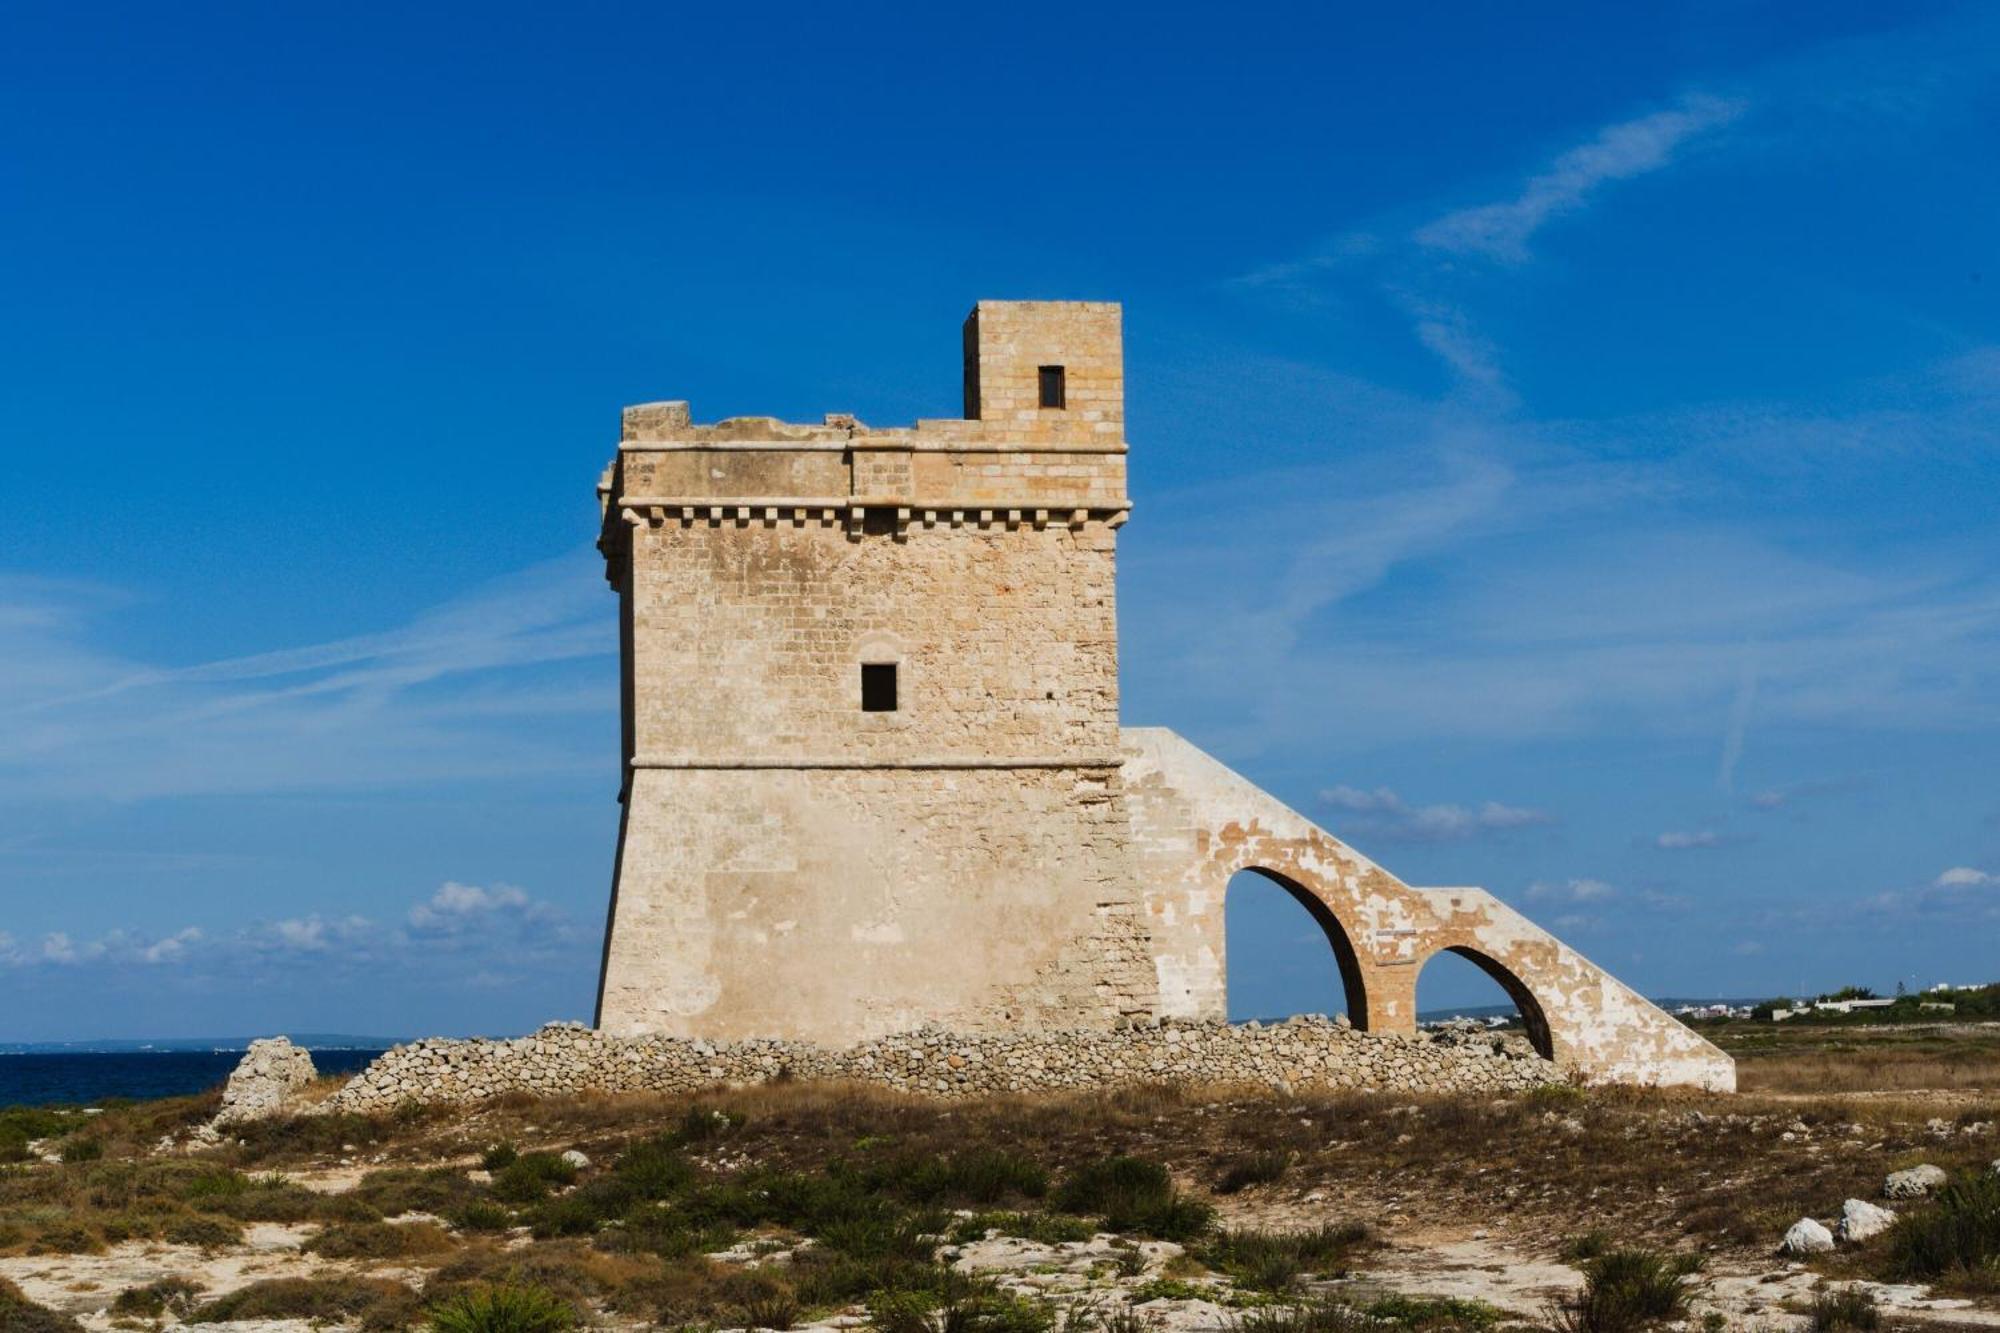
[(1300, 1053)]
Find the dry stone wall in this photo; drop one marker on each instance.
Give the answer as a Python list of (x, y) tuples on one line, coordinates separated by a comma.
[(1301, 1053)]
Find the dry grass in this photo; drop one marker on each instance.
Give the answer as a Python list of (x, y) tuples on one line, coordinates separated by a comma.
[(1833, 1060), (869, 1175)]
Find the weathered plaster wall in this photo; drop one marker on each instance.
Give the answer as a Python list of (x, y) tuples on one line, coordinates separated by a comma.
[(1195, 824), (794, 866), (839, 905)]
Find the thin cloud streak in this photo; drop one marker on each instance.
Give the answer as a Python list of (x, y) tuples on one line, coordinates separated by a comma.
[(1501, 230)]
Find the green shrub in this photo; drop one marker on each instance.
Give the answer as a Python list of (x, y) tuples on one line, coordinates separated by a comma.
[(1852, 1308), (1583, 1247), (481, 1215), (1247, 1169), (169, 1295), (66, 1238), (81, 1150), (503, 1309), (499, 1157), (18, 1314), (199, 1229), (976, 1176), (1624, 1290), (1960, 1234), (1134, 1195), (778, 1310), (1320, 1316), (529, 1177), (705, 1122), (1275, 1260), (436, 1190), (378, 1240), (327, 1298), (275, 1199), (976, 1309), (654, 1169), (1434, 1312), (883, 1237)]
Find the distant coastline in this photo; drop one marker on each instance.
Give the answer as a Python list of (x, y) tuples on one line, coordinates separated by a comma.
[(312, 1041)]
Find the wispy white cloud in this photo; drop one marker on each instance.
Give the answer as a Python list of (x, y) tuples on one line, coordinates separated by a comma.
[(454, 693), (1382, 814), (1964, 877), (1681, 841), (1620, 151)]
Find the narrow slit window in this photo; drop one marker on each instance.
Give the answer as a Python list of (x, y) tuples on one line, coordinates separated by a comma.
[(878, 687), (1053, 390)]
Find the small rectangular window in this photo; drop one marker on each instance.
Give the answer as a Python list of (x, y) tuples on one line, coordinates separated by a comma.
[(878, 687), (1052, 387)]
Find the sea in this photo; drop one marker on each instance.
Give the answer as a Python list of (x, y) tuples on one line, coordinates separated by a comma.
[(84, 1078)]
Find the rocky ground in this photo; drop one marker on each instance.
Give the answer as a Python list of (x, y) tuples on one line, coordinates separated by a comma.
[(814, 1206)]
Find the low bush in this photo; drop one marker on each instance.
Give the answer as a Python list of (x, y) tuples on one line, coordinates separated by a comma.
[(18, 1314), (530, 1177), (1275, 1260), (654, 1169), (1136, 1196), (1435, 1312), (1322, 1316), (499, 1157), (397, 1191), (1957, 1236), (169, 1295), (380, 1240), (202, 1231), (77, 1150), (974, 1308), (977, 1177), (1258, 1168), (1848, 1309), (1584, 1247), (1626, 1290), (480, 1215), (376, 1302), (503, 1309)]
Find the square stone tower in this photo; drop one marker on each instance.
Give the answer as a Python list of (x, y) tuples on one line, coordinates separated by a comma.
[(872, 757)]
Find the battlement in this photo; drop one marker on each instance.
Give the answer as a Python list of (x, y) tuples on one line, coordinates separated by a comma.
[(1043, 444)]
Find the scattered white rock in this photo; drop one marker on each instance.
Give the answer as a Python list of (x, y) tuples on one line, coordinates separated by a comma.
[(1914, 1183), (576, 1159), (1806, 1237), (1860, 1219)]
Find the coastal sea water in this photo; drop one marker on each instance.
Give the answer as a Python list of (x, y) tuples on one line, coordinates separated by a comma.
[(83, 1077)]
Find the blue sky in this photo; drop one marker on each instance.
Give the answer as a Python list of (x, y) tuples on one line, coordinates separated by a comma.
[(1563, 442)]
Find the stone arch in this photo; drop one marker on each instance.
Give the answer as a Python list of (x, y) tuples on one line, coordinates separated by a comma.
[(1532, 1017), (1352, 983)]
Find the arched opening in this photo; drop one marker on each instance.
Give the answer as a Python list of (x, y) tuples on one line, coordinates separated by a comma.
[(1464, 982), (1282, 960)]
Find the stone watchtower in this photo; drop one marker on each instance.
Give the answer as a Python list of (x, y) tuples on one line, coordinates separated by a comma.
[(874, 773), (871, 708)]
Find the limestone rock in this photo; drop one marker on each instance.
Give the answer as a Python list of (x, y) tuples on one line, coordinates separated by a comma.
[(1860, 1219), (267, 1076), (1914, 1183), (576, 1159), (1806, 1237)]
